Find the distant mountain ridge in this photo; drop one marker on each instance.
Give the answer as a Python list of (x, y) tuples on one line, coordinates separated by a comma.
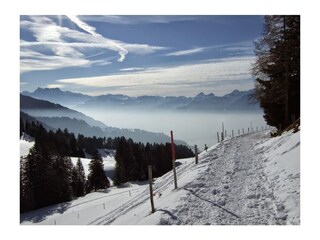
[(56, 95), (234, 101), (43, 108), (53, 116)]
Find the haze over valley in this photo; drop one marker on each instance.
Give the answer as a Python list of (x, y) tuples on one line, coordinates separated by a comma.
[(195, 120)]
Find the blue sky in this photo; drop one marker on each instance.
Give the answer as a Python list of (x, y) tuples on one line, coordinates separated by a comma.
[(138, 55)]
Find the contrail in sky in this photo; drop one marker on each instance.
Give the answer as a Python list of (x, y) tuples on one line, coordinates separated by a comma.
[(91, 30)]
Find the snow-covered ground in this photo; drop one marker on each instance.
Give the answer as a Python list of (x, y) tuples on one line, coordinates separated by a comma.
[(26, 142), (108, 162), (25, 147), (248, 180)]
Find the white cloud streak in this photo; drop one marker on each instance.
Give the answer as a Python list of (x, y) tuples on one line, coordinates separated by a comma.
[(122, 51), (242, 48), (82, 25), (186, 52), (132, 69), (210, 74)]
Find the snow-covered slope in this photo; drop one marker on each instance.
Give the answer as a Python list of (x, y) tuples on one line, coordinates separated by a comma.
[(246, 180), (26, 142), (108, 162), (281, 156)]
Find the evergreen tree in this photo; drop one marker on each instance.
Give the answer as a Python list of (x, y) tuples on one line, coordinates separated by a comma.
[(26, 194), (39, 173), (277, 70), (45, 178), (61, 182), (139, 154), (120, 168), (97, 178), (130, 162), (27, 127), (78, 179)]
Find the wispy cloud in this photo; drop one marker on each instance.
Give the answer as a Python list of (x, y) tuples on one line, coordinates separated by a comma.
[(221, 75), (241, 48), (132, 69), (143, 49), (32, 60), (136, 19), (91, 30), (83, 25), (63, 47), (186, 52)]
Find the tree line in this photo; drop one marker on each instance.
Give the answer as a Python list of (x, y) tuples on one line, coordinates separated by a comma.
[(277, 70), (132, 160), (47, 175), (65, 142)]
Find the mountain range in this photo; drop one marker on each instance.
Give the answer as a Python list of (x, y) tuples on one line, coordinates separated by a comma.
[(234, 101), (43, 108), (55, 95), (53, 116), (55, 109)]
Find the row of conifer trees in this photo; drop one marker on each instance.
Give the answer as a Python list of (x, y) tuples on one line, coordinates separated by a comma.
[(132, 160), (47, 175)]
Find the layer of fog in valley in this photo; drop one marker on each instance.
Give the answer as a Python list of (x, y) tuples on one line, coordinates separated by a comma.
[(192, 127)]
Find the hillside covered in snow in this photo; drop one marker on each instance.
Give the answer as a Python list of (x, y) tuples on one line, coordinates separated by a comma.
[(247, 180)]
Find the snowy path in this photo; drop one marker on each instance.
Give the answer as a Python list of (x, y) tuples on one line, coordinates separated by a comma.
[(233, 190)]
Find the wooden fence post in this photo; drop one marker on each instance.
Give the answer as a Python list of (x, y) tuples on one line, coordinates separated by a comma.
[(222, 127), (242, 131), (238, 132), (196, 153), (150, 187), (225, 133), (222, 136), (173, 162), (218, 136)]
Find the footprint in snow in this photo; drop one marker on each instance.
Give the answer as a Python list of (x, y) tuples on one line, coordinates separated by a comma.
[(253, 196), (215, 191)]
